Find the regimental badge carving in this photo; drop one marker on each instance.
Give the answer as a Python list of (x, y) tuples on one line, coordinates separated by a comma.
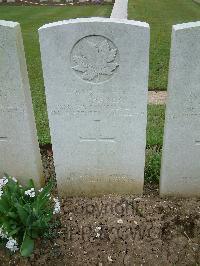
[(95, 59)]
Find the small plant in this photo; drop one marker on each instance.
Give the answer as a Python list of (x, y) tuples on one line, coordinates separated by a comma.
[(25, 214)]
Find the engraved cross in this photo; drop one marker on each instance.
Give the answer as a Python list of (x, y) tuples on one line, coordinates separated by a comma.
[(98, 137), (3, 139), (197, 142)]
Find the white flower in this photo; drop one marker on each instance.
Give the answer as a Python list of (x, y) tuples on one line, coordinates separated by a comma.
[(14, 179), (56, 206), (12, 244), (40, 190), (1, 192), (30, 193), (2, 233), (3, 181)]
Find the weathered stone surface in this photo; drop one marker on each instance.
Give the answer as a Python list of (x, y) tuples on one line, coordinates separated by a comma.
[(180, 173), (120, 9), (96, 73), (19, 151)]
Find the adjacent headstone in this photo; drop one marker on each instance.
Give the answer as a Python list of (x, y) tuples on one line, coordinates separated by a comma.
[(96, 74), (10, 1), (19, 151), (120, 9), (180, 173)]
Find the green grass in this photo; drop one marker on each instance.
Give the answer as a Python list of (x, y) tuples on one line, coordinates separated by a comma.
[(155, 128), (161, 15), (31, 18)]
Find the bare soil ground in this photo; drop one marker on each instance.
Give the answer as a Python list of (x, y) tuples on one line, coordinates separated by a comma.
[(157, 97), (119, 230)]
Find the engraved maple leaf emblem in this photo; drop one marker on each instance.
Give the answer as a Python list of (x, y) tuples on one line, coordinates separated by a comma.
[(94, 60)]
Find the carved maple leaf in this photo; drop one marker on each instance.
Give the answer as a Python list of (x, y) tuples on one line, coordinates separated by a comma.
[(95, 59)]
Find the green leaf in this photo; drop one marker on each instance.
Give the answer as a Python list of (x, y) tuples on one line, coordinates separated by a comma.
[(4, 205), (43, 198), (14, 232), (12, 215), (23, 214), (27, 246), (31, 183), (35, 233), (46, 190)]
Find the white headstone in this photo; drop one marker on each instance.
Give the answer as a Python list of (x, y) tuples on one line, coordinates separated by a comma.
[(96, 74), (10, 1), (180, 173), (19, 150), (120, 9)]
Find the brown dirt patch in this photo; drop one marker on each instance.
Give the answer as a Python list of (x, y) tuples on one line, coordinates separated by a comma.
[(115, 230), (157, 97)]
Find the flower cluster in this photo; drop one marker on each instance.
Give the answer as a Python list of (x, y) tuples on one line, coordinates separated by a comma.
[(2, 233), (11, 243), (56, 206), (3, 182), (25, 205), (30, 193)]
